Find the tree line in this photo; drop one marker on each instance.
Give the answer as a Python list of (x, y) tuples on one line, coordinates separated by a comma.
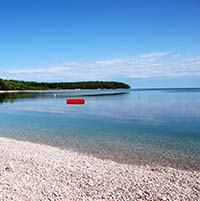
[(26, 85)]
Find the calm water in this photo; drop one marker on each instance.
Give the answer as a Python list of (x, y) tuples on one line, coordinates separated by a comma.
[(140, 126)]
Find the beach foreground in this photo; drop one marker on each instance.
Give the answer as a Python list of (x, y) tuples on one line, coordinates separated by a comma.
[(31, 171)]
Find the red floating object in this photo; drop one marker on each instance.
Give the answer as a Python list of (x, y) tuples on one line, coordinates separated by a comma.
[(75, 101)]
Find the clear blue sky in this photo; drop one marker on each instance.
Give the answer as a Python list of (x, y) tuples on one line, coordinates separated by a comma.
[(153, 43)]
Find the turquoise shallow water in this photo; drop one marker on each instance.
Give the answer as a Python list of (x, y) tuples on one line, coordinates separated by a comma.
[(140, 126)]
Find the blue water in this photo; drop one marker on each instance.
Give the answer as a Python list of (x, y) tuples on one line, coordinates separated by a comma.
[(138, 126)]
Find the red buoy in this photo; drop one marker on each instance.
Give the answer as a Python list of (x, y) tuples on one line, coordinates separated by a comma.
[(75, 101)]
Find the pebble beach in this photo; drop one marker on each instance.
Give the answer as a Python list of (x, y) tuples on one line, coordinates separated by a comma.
[(31, 171)]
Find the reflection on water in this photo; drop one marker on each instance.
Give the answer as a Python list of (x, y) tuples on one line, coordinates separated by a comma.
[(139, 126), (12, 97)]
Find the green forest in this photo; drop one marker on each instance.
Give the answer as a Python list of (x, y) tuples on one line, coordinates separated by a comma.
[(26, 85)]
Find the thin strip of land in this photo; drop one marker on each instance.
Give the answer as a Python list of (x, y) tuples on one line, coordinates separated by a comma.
[(6, 85), (31, 171)]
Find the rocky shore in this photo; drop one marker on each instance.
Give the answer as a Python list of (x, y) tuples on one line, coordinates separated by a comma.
[(31, 171)]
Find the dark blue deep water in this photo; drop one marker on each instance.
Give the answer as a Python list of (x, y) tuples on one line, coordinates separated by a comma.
[(138, 126)]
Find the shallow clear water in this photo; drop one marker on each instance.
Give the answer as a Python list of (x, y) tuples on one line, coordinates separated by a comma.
[(140, 126)]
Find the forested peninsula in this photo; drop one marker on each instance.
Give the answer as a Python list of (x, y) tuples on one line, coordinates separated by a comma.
[(27, 85)]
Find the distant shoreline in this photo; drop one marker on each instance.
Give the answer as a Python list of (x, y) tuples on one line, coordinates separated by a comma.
[(56, 90), (130, 89), (29, 85)]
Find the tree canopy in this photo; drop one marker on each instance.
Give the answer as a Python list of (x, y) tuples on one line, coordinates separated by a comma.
[(26, 85)]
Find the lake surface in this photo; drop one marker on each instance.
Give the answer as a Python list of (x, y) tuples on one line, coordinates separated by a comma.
[(138, 126)]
